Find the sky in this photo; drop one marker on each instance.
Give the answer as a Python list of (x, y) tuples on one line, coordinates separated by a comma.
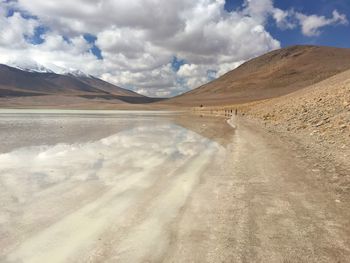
[(162, 48)]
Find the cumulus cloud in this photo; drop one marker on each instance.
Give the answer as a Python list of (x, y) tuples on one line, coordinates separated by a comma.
[(312, 24), (14, 30), (284, 19), (138, 39), (259, 9)]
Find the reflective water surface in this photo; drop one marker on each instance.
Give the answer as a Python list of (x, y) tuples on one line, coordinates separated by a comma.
[(95, 186)]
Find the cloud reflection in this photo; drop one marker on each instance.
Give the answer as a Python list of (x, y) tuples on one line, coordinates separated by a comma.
[(42, 185)]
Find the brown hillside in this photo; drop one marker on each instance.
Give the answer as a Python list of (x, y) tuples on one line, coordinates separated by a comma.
[(321, 111), (274, 74)]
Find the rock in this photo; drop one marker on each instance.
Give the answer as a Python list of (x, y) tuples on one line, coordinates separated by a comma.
[(313, 132), (343, 126), (319, 123)]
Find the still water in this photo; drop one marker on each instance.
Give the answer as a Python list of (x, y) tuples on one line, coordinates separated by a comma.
[(97, 186)]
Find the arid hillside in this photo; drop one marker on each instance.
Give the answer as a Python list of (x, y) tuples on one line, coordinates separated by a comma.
[(274, 74), (321, 111)]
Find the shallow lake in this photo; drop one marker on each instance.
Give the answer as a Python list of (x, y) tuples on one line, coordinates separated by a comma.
[(97, 186)]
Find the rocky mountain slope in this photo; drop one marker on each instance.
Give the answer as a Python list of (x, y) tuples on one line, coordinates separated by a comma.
[(321, 111), (274, 74)]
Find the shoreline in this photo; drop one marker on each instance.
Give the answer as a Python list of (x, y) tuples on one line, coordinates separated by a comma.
[(330, 170)]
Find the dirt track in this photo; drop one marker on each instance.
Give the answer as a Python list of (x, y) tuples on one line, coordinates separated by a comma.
[(287, 214)]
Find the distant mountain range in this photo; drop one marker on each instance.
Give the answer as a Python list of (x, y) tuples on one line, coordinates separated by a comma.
[(21, 81)]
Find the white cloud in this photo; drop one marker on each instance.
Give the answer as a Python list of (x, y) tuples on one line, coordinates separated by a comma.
[(14, 29), (139, 38), (259, 9), (158, 82), (284, 19), (312, 24), (195, 75)]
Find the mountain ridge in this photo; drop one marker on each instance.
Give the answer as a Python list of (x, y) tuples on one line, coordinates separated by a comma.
[(15, 82), (35, 67)]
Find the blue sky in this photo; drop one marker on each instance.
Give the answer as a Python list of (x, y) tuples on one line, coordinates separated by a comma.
[(331, 35), (162, 48)]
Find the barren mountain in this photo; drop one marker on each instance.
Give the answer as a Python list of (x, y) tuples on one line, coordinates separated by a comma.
[(17, 84), (274, 74)]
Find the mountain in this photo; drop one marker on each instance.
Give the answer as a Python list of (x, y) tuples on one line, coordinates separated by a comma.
[(38, 81), (271, 75), (30, 66), (33, 66)]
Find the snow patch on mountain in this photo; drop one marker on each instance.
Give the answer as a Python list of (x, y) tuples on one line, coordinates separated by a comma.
[(33, 66), (30, 66), (75, 73)]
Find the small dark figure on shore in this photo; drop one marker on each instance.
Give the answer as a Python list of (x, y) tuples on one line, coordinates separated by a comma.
[(236, 112)]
